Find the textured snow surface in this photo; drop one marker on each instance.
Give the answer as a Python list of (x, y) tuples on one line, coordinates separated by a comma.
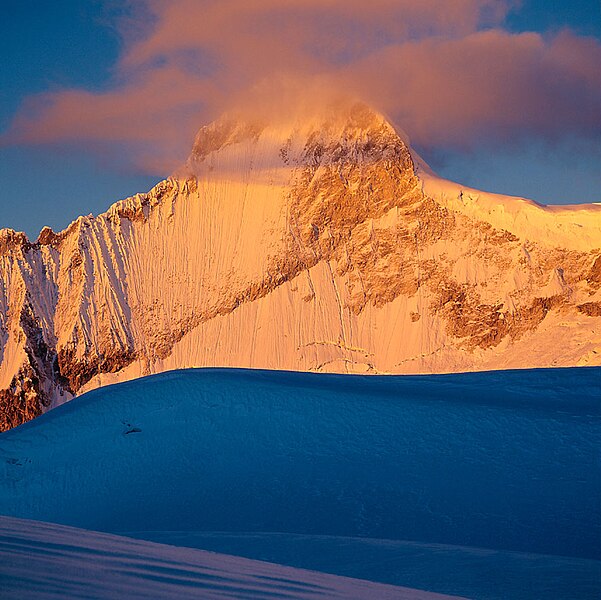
[(46, 561), (505, 460), (502, 461), (479, 573)]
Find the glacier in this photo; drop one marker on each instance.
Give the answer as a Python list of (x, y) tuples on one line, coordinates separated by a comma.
[(494, 472)]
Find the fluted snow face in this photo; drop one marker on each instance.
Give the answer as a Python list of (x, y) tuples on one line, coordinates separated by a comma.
[(310, 245)]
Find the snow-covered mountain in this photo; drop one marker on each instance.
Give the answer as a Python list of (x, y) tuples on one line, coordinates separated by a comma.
[(318, 243)]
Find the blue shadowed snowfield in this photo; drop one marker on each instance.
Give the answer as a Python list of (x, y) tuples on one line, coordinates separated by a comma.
[(491, 478)]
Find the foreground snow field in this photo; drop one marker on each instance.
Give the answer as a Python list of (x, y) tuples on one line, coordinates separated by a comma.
[(479, 573), (42, 560), (502, 461)]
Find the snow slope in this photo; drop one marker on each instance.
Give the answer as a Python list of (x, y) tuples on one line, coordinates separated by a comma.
[(485, 574), (493, 477), (42, 561), (503, 460), (311, 244)]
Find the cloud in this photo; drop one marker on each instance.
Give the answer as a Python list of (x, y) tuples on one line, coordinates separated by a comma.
[(445, 70), (487, 84), (302, 32), (149, 118)]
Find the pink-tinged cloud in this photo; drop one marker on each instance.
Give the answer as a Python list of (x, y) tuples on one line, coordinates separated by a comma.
[(428, 63), (302, 30), (490, 83), (152, 117)]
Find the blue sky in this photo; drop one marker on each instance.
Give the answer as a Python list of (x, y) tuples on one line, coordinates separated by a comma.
[(71, 44)]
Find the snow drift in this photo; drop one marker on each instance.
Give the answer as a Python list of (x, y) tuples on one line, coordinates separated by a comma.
[(96, 566), (480, 485), (502, 460)]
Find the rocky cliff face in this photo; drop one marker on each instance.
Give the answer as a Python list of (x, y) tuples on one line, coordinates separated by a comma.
[(319, 244)]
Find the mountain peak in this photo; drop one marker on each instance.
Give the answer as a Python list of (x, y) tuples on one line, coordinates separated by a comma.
[(338, 133), (310, 240)]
